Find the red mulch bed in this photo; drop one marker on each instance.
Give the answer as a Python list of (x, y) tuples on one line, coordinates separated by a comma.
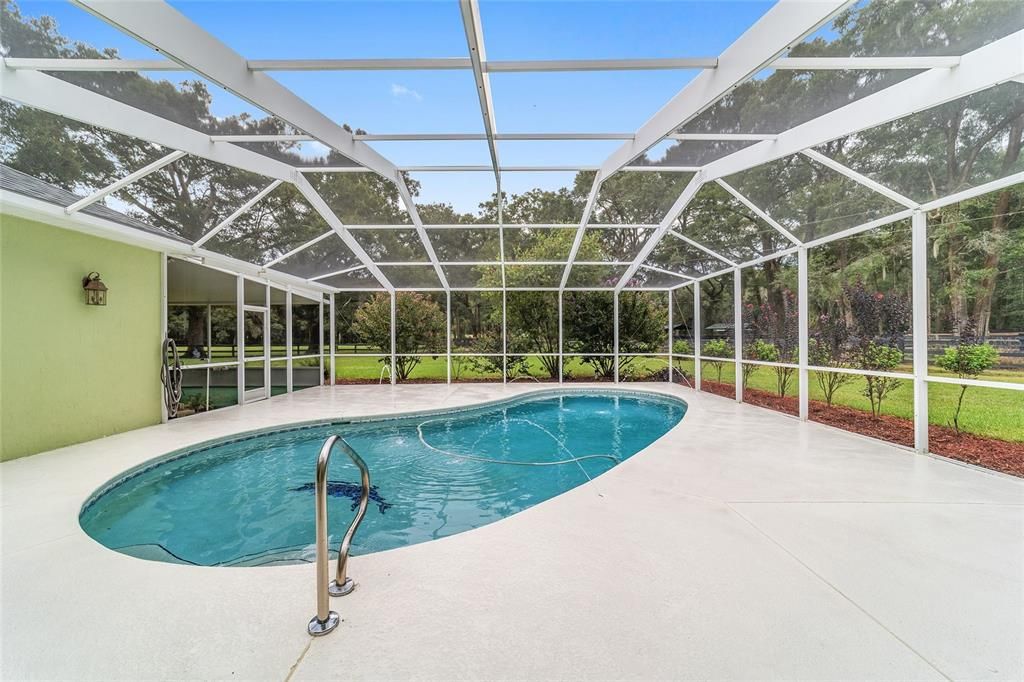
[(1001, 455), (788, 405), (722, 389), (991, 453)]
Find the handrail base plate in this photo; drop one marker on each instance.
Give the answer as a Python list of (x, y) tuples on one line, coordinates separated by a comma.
[(345, 588), (318, 627)]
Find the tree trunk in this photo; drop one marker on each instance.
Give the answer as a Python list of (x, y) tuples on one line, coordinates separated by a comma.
[(954, 268), (196, 331), (987, 285)]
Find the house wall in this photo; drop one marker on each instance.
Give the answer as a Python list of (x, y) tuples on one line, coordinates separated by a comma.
[(71, 372)]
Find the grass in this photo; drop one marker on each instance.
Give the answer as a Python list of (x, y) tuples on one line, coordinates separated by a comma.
[(990, 412), (987, 412), (434, 368)]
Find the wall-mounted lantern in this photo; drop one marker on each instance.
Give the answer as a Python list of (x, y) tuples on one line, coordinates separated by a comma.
[(95, 289)]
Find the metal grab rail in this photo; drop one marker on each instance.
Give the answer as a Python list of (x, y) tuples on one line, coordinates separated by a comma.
[(326, 620)]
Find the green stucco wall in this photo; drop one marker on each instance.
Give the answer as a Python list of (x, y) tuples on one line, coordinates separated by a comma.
[(71, 372)]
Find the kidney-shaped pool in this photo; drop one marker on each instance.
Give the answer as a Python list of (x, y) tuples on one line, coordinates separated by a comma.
[(249, 500)]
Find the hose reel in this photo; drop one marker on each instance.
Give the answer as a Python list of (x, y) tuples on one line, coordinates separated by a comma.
[(171, 376)]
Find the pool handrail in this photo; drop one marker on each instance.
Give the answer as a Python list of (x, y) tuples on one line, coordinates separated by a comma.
[(342, 584), (326, 620)]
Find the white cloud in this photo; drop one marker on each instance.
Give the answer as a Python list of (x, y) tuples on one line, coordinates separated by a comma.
[(398, 90)]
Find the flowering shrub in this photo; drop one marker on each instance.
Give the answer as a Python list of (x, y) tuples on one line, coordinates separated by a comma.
[(827, 348), (777, 326), (880, 324)]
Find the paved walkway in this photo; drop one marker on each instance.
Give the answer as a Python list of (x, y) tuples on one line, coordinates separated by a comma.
[(744, 544)]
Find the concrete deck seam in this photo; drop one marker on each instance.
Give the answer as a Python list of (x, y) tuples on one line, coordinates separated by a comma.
[(839, 592), (44, 542), (295, 665)]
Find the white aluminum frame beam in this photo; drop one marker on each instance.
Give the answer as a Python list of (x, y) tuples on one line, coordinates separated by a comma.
[(698, 245), (94, 65), (123, 182), (691, 189), (239, 212), (504, 66), (758, 211), (588, 209), (450, 137), (502, 169), (713, 137), (263, 138), (159, 25), (320, 206), (470, 11), (999, 61), (343, 271), (859, 178), (48, 93), (315, 240), (864, 63), (477, 55), (784, 24), (44, 211), (424, 64), (164, 28), (679, 275), (414, 215), (539, 65)]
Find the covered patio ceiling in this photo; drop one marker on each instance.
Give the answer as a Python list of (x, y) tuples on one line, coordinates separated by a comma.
[(723, 175)]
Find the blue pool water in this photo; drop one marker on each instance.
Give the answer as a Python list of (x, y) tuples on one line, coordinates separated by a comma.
[(249, 500)]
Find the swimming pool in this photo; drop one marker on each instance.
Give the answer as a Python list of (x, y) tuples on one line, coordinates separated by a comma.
[(249, 500)]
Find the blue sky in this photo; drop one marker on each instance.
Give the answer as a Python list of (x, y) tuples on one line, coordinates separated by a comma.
[(445, 101)]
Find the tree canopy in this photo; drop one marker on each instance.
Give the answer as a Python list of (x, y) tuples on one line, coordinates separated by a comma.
[(977, 246)]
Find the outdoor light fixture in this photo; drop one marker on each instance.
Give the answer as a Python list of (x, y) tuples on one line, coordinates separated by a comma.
[(95, 289)]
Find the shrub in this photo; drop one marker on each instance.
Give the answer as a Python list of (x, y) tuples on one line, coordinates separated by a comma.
[(682, 347), (884, 359), (419, 325), (514, 365), (827, 348), (716, 348), (781, 324), (758, 350), (880, 324), (969, 359), (459, 364)]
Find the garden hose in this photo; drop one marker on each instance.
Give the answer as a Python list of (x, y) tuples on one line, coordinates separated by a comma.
[(170, 377)]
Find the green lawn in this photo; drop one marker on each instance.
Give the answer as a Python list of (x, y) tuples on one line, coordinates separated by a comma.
[(434, 368), (987, 411)]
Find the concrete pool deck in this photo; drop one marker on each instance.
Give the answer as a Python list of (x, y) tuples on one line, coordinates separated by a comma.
[(743, 544)]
